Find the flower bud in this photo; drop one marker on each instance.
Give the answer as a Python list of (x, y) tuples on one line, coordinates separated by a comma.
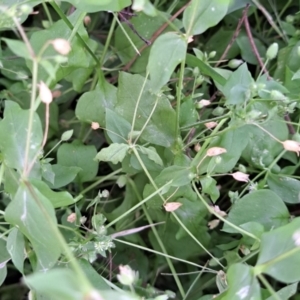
[(172, 206), (218, 111), (210, 125), (127, 276), (95, 125), (290, 145), (87, 20), (234, 63), (202, 103), (214, 151), (71, 218), (272, 51), (45, 93), (213, 224), (240, 176), (212, 54), (276, 95), (197, 147), (62, 46)]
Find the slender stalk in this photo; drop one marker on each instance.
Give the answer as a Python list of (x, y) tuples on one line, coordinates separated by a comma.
[(242, 231), (108, 40), (268, 286), (178, 98)]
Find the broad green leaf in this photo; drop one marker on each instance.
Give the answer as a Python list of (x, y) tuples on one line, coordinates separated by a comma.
[(262, 206), (201, 15), (117, 127), (285, 293), (152, 154), (246, 49), (63, 175), (33, 213), (4, 258), (93, 276), (146, 26), (242, 284), (237, 88), (114, 153), (273, 259), (91, 6), (56, 284), (288, 59), (262, 149), (287, 188), (166, 53), (78, 155), (91, 105), (15, 245), (188, 112), (79, 77), (160, 129), (58, 199), (209, 187), (78, 56), (17, 47), (234, 141), (13, 136), (13, 8)]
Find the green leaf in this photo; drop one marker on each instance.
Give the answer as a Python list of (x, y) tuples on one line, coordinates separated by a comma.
[(117, 127), (93, 276), (17, 47), (152, 154), (273, 259), (206, 69), (237, 87), (262, 206), (287, 188), (78, 155), (57, 284), (63, 175), (114, 153), (13, 136), (91, 6), (15, 245), (160, 129), (285, 293), (34, 215), (166, 53), (246, 49), (58, 199), (201, 15), (241, 284), (234, 141), (13, 8), (91, 106), (78, 56), (209, 187)]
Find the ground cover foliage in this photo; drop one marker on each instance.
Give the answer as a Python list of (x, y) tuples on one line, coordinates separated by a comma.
[(149, 149)]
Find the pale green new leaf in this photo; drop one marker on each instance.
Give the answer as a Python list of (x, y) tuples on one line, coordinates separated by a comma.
[(114, 153), (166, 53)]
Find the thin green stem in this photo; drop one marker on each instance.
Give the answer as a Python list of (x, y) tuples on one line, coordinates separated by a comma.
[(211, 210), (136, 108), (178, 98), (108, 40), (136, 206), (31, 115), (126, 34), (269, 287), (170, 264), (47, 13), (102, 179)]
